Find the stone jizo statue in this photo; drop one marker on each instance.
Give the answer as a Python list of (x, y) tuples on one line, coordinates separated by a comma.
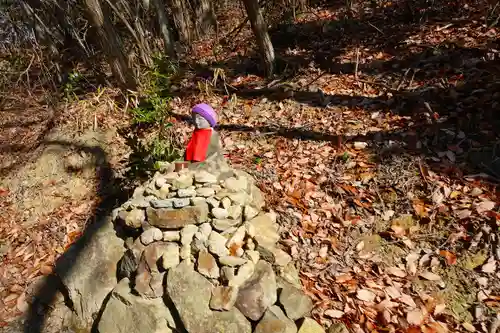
[(205, 142)]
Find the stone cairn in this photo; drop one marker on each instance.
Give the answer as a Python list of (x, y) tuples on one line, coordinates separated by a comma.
[(204, 259)]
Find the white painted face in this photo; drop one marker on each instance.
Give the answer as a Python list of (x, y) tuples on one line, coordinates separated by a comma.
[(200, 122)]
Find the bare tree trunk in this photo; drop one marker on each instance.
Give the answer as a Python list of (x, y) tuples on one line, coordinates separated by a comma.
[(205, 16), (182, 20), (168, 40), (110, 43), (259, 28)]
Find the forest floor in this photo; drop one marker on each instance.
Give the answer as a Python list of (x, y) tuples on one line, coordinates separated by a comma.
[(376, 145)]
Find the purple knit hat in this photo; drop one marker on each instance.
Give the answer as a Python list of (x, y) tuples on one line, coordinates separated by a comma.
[(206, 112)]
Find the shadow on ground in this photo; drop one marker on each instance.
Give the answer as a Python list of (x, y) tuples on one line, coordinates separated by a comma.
[(112, 192)]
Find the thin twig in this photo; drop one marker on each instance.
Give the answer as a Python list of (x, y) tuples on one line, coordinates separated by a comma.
[(376, 28), (402, 80), (357, 63)]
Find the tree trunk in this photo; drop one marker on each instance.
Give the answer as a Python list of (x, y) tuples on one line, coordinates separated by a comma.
[(168, 40), (182, 20), (259, 28), (110, 43), (205, 16)]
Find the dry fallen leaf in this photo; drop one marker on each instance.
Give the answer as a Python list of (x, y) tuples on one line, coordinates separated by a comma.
[(406, 299), (396, 272), (451, 259), (430, 276), (490, 266), (484, 206), (437, 197), (336, 314), (463, 214), (439, 308), (366, 295), (360, 145), (415, 317)]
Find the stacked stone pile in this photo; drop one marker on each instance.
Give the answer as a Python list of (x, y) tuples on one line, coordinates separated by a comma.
[(204, 259)]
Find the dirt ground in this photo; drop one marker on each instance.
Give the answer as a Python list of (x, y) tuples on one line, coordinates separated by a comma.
[(370, 157)]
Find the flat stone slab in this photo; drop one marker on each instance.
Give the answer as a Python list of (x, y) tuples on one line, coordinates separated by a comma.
[(168, 218)]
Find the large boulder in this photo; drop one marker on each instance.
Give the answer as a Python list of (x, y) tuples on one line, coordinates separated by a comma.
[(258, 293), (231, 321), (190, 292), (88, 270), (295, 302), (275, 321), (126, 313)]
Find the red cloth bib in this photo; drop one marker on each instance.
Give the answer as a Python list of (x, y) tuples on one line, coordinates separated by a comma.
[(197, 147)]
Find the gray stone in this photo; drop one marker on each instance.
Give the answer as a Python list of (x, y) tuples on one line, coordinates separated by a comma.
[(213, 202), (237, 239), (216, 188), (295, 302), (217, 244), (234, 212), (186, 193), (338, 328), (254, 256), (232, 261), (258, 293), (275, 321), (163, 203), (190, 292), (281, 258), (205, 192), (170, 256), (88, 269), (240, 198), (223, 225), (291, 275), (266, 231), (231, 321), (250, 244), (197, 201), (236, 184), (183, 181), (125, 313), (134, 218), (256, 197), (206, 229), (185, 252), (207, 265), (170, 177), (167, 218), (180, 202), (223, 298), (227, 273), (150, 235), (171, 236), (164, 191), (310, 325), (205, 177), (249, 212), (138, 192), (187, 234), (250, 229), (160, 182), (220, 213), (244, 273), (226, 202), (140, 202), (148, 279)]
